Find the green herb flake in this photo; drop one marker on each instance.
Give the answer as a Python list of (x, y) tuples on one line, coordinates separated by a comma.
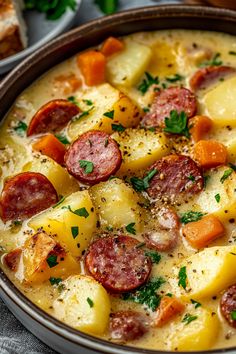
[(232, 166), (191, 178), (191, 216), (155, 257), (226, 174), (82, 115), (62, 138), (217, 198), (174, 78), (109, 228), (88, 166), (73, 100), (88, 102), (53, 9), (108, 7), (148, 82), (146, 109), (188, 318), (55, 281), (109, 114), (130, 228), (233, 315), (80, 212), (17, 222), (142, 184), (90, 302), (215, 61), (195, 303), (182, 277), (59, 202), (169, 295), (177, 124), (74, 231), (118, 127), (205, 180), (52, 260), (20, 128)]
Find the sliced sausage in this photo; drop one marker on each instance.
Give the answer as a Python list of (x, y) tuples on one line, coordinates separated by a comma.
[(52, 117), (25, 195), (164, 236), (205, 77), (93, 157), (117, 263), (172, 98), (228, 305), (177, 177), (127, 325), (12, 259)]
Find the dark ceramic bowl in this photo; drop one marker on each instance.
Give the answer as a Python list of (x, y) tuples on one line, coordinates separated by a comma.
[(54, 333)]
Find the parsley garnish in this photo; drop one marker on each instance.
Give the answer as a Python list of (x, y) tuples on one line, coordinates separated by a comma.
[(52, 260), (80, 212), (87, 166), (195, 303), (174, 78), (169, 295), (90, 302), (108, 7), (182, 277), (233, 315), (177, 124), (147, 82), (215, 61), (62, 138), (130, 228), (73, 100), (88, 102), (109, 114), (191, 178), (188, 318), (146, 294), (217, 198), (82, 115), (232, 52), (232, 166), (55, 281), (191, 216), (226, 174), (53, 9), (142, 184), (118, 127), (205, 180), (155, 257), (146, 109), (59, 202), (74, 231), (21, 128), (17, 223)]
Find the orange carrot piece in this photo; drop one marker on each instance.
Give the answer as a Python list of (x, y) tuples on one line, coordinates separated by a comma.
[(199, 126), (168, 308), (200, 233), (92, 65), (49, 145), (111, 46), (210, 153)]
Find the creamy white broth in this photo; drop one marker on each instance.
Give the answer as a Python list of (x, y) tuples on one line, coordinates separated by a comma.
[(170, 57)]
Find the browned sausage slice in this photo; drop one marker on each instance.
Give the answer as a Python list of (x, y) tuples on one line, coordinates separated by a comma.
[(52, 117), (93, 157), (127, 326), (173, 98), (205, 77), (165, 236), (117, 263), (228, 305), (25, 195), (12, 259), (177, 177)]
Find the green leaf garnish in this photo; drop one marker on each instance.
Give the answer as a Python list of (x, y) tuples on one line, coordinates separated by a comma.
[(177, 124), (62, 138), (233, 315), (215, 61), (82, 115), (53, 9), (90, 302), (73, 100), (88, 166), (188, 318), (118, 127), (130, 228), (217, 198), (109, 114), (182, 277), (174, 78), (74, 231), (55, 281), (191, 216), (226, 174), (147, 82), (108, 7), (59, 202), (80, 212), (195, 303), (20, 128), (52, 260), (155, 257), (88, 102), (140, 184)]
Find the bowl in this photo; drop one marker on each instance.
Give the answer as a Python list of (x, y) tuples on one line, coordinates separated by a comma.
[(52, 332)]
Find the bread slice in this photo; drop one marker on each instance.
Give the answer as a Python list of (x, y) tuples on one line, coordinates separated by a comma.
[(13, 37)]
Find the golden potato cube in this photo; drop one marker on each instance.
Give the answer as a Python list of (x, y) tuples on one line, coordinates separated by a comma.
[(43, 258), (163, 54), (200, 334), (140, 148), (65, 224), (116, 204), (127, 67), (84, 304)]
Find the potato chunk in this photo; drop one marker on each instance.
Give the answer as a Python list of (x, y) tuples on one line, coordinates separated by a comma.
[(105, 100), (221, 104), (127, 67), (224, 207), (64, 222), (140, 148), (84, 305), (208, 272), (200, 334), (116, 204)]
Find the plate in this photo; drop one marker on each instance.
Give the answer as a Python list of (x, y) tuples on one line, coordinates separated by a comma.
[(39, 31)]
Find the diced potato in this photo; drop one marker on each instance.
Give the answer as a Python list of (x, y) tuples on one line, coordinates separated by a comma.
[(57, 175), (105, 98), (225, 208), (208, 272), (221, 104), (199, 334), (228, 138), (127, 67), (84, 305), (44, 258), (60, 220), (140, 148), (164, 59), (116, 204)]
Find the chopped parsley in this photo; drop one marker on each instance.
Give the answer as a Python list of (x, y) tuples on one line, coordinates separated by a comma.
[(62, 138), (140, 184), (90, 302), (88, 102), (188, 318), (217, 198), (20, 128), (55, 281), (146, 109), (191, 216), (74, 231), (233, 315), (130, 228), (146, 294), (177, 124), (182, 277), (205, 180), (232, 166), (52, 260), (147, 82), (195, 303), (155, 257), (215, 61), (108, 7), (226, 174), (109, 228), (80, 212), (17, 222), (59, 202), (174, 78), (118, 127), (53, 9), (191, 178), (232, 52), (82, 114), (109, 114), (73, 100), (87, 166)]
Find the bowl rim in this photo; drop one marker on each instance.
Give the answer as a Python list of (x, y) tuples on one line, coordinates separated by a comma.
[(6, 286)]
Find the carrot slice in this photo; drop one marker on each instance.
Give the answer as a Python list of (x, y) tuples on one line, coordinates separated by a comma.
[(199, 126), (168, 308), (200, 233), (92, 65), (49, 145), (111, 46), (210, 153)]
